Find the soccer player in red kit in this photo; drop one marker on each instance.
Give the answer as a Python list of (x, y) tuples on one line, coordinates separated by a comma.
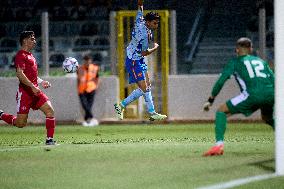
[(29, 95)]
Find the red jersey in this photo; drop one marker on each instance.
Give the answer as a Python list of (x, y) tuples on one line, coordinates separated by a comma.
[(26, 61)]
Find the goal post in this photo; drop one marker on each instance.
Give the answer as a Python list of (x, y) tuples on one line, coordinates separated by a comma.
[(279, 83)]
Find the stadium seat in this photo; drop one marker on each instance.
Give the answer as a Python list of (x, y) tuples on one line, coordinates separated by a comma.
[(101, 43), (36, 27), (98, 13), (3, 31), (7, 15), (8, 45), (89, 29), (38, 45), (3, 60), (62, 43), (82, 44), (97, 57), (23, 14), (59, 13)]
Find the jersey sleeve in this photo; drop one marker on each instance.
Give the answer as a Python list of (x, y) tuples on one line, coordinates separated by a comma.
[(139, 17), (144, 40), (225, 75), (20, 61), (271, 73)]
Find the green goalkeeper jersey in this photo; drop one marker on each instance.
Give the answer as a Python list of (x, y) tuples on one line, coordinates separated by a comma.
[(252, 74)]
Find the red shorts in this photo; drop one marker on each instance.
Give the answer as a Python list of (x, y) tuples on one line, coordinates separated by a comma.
[(26, 100)]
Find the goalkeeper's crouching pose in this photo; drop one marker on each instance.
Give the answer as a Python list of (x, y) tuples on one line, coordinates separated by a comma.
[(256, 81)]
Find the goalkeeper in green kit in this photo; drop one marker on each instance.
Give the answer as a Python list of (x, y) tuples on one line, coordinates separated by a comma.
[(256, 82)]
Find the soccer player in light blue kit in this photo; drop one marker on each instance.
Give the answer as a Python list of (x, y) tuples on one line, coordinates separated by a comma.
[(135, 63)]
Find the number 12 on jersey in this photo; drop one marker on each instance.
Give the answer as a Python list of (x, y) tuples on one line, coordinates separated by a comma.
[(255, 68)]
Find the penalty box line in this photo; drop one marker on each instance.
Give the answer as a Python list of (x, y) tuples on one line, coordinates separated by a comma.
[(238, 182)]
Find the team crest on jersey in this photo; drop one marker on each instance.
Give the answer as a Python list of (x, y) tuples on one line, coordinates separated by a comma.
[(139, 74)]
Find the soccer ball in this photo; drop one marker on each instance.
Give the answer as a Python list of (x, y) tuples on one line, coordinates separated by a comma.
[(70, 65)]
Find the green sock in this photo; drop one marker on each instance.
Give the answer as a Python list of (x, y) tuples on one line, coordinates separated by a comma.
[(220, 125)]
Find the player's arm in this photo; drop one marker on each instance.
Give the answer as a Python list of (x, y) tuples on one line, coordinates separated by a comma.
[(44, 84), (150, 51), (140, 5), (80, 75), (24, 80), (96, 74), (225, 75), (271, 73)]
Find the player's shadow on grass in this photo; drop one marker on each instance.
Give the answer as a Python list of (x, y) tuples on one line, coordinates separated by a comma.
[(267, 165)]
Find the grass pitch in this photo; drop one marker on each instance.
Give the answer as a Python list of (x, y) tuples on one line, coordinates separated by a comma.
[(135, 156)]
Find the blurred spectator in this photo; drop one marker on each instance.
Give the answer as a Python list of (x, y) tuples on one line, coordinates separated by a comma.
[(88, 82)]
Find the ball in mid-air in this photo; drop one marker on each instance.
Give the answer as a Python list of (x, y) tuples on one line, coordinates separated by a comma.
[(70, 65)]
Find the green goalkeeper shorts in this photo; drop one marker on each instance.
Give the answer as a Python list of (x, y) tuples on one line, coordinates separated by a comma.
[(247, 104)]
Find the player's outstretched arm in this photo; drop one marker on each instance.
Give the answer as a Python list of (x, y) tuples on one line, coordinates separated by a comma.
[(44, 84), (24, 80), (208, 103), (140, 5), (150, 51)]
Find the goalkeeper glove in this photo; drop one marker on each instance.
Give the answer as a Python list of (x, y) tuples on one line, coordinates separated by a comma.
[(209, 103)]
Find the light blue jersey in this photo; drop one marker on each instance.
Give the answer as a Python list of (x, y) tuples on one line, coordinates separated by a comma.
[(141, 36)]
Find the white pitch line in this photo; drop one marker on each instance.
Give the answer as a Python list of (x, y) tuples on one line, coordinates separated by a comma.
[(238, 182), (19, 148), (26, 148)]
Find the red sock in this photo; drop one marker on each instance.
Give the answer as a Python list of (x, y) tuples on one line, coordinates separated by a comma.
[(50, 125), (8, 118)]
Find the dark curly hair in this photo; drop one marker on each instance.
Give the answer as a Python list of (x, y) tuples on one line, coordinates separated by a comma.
[(25, 34), (151, 16)]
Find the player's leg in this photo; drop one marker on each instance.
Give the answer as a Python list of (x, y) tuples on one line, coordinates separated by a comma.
[(8, 118), (135, 74), (41, 102), (220, 127), (24, 101), (267, 115), (90, 98), (149, 99), (48, 110), (242, 103), (20, 121), (221, 122), (84, 103), (120, 107)]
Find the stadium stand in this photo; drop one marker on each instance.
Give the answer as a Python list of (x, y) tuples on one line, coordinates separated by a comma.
[(38, 45), (8, 45), (225, 25), (56, 60)]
